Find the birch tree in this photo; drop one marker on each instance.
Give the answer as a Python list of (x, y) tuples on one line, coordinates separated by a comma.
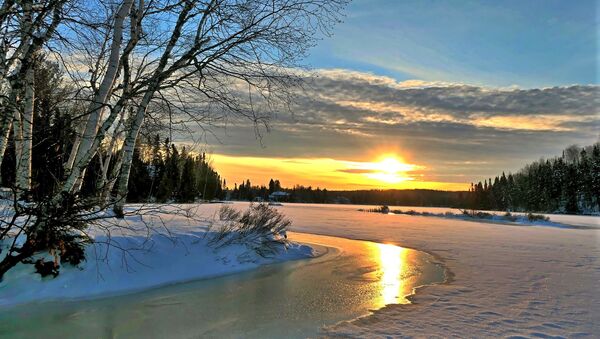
[(27, 25), (223, 53), (200, 57)]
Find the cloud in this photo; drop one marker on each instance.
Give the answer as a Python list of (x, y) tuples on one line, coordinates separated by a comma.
[(363, 97), (356, 170), (457, 131)]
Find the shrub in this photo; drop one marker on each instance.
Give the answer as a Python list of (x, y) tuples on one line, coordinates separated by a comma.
[(46, 268), (55, 227), (537, 217), (260, 228), (484, 215)]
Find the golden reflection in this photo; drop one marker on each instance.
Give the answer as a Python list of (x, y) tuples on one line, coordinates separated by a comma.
[(393, 264)]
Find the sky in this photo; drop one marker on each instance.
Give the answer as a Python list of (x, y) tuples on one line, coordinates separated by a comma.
[(429, 94)]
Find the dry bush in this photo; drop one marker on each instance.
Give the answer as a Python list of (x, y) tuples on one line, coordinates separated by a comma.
[(260, 228), (537, 217)]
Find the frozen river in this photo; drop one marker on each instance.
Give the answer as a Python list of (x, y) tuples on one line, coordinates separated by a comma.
[(292, 299)]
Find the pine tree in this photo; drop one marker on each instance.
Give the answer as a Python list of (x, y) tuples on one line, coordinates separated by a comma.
[(188, 191), (138, 188)]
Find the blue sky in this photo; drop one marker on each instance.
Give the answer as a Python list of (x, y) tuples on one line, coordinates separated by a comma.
[(491, 43)]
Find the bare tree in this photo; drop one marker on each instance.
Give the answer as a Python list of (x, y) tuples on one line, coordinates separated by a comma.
[(196, 58), (26, 26)]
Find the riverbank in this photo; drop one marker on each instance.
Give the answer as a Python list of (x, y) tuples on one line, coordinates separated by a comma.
[(141, 253), (507, 281), (517, 219)]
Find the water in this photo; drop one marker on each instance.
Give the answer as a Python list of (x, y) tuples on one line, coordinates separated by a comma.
[(291, 300)]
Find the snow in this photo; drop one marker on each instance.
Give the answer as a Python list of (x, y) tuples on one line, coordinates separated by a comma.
[(508, 280), (161, 257), (479, 216)]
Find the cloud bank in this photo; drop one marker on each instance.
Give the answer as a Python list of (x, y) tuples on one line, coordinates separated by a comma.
[(458, 132)]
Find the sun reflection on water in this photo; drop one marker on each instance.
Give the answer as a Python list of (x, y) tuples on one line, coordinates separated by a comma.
[(393, 264)]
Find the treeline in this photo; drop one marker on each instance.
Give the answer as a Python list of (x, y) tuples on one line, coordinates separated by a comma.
[(569, 183), (308, 194), (245, 191), (406, 197), (161, 172)]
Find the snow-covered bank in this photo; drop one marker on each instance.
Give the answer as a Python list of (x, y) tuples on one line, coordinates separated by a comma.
[(173, 249), (509, 281), (523, 219)]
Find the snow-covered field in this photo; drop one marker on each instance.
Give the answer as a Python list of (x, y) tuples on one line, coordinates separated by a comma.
[(509, 281), (138, 258)]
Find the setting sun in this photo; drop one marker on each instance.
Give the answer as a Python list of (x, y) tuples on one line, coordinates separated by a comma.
[(391, 165), (389, 169)]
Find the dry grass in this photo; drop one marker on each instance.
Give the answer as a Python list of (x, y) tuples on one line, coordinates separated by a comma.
[(260, 227)]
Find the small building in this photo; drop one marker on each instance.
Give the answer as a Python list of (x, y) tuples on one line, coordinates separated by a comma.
[(279, 196)]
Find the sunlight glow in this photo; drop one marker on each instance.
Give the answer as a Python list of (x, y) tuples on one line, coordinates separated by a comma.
[(389, 169), (391, 165), (329, 173)]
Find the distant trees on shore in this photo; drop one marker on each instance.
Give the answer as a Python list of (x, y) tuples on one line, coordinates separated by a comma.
[(569, 183), (245, 191), (308, 194)]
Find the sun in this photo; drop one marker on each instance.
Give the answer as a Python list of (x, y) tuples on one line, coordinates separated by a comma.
[(390, 165), (390, 169)]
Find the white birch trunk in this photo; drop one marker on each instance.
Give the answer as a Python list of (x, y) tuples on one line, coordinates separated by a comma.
[(127, 152), (6, 118), (5, 126), (82, 145), (103, 186), (105, 193), (18, 139), (24, 53), (78, 167), (23, 169), (132, 134)]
